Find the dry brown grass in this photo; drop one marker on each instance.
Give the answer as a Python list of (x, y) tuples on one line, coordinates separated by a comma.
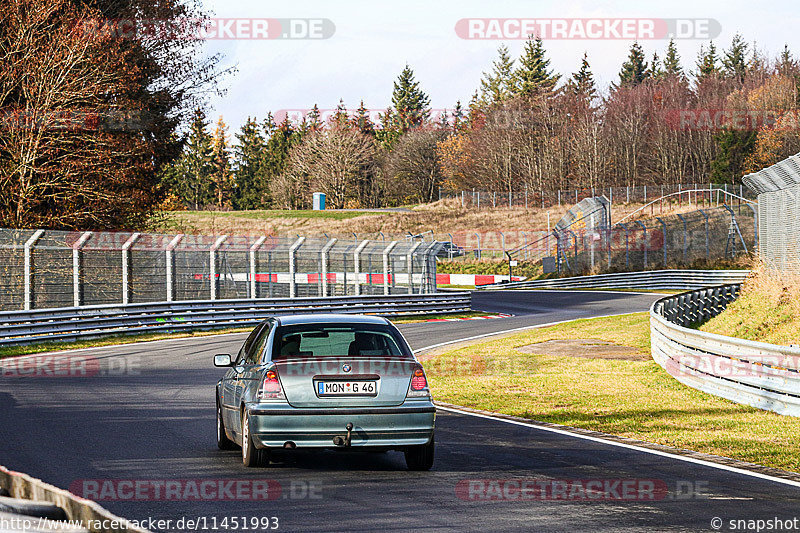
[(767, 310), (440, 217)]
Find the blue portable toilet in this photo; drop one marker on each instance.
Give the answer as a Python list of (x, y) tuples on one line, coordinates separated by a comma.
[(319, 201)]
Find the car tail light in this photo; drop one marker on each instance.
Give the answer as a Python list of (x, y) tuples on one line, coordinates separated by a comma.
[(271, 387), (419, 383)]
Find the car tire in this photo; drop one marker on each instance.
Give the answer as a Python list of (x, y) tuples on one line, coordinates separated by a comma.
[(223, 442), (251, 456), (420, 457)]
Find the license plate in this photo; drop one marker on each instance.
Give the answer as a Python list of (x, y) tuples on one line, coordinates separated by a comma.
[(347, 388)]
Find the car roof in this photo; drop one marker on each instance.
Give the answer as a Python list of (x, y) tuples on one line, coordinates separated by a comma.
[(291, 320)]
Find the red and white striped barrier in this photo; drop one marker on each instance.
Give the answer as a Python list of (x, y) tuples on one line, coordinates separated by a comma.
[(367, 278), (472, 279)]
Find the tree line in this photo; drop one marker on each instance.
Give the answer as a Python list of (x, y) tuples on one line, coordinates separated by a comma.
[(89, 118), (525, 126), (101, 131)]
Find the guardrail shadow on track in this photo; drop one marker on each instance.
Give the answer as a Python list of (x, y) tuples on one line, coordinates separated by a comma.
[(758, 374)]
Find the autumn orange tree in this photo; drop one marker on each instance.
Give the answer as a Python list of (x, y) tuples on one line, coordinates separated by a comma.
[(88, 111)]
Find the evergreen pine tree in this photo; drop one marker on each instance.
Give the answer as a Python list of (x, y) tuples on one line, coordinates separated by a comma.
[(221, 165), (190, 177), (672, 61), (707, 62), (411, 104), (582, 82), (341, 118), (654, 70), (314, 122), (250, 174), (282, 139), (735, 62), (361, 120), (498, 85), (533, 77), (388, 131), (634, 69), (734, 146), (787, 65), (458, 116)]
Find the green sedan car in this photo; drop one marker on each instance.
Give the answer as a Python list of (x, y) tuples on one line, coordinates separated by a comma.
[(325, 381)]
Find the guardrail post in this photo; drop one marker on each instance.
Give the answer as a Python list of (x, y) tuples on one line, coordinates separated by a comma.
[(755, 224), (708, 247), (664, 239), (76, 267), (325, 253), (28, 296), (644, 240), (212, 265), (684, 236), (428, 284), (253, 249), (357, 266), (627, 248), (293, 266), (386, 274), (126, 265), (169, 265), (479, 244), (410, 269)]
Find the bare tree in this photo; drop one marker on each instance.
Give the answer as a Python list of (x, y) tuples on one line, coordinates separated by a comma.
[(339, 161), (414, 163)]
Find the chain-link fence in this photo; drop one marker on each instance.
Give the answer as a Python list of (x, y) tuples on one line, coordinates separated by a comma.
[(778, 189), (673, 241), (46, 269)]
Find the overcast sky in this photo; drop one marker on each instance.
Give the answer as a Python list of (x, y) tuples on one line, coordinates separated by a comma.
[(373, 40)]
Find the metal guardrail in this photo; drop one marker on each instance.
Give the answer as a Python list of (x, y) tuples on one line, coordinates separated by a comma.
[(23, 486), (74, 323), (765, 376), (652, 279)]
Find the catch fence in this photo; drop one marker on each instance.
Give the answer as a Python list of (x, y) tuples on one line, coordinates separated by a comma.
[(672, 241), (47, 269), (778, 189)]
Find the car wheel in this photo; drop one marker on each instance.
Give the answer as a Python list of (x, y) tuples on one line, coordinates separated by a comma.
[(223, 442), (420, 457), (251, 456)]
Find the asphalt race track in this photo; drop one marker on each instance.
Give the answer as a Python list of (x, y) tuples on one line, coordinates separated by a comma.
[(148, 414)]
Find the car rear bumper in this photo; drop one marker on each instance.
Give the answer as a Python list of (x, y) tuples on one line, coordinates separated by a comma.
[(273, 425)]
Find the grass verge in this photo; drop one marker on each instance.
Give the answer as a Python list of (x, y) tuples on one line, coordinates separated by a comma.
[(635, 399), (767, 310)]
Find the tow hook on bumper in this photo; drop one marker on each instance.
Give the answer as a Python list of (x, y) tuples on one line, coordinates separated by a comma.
[(339, 441)]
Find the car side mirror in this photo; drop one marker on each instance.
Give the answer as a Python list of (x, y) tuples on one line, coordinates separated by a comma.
[(223, 360)]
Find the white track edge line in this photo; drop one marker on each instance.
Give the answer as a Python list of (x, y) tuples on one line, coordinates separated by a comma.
[(661, 453)]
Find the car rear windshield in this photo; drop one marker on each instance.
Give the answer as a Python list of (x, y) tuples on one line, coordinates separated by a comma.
[(324, 340)]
